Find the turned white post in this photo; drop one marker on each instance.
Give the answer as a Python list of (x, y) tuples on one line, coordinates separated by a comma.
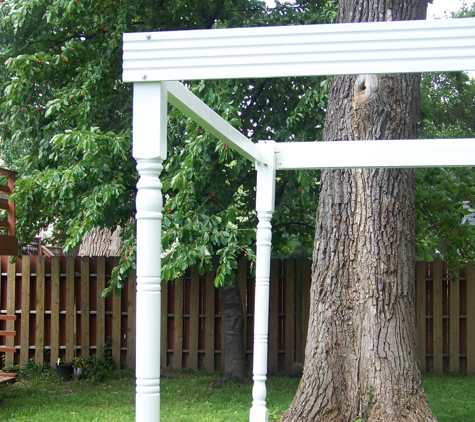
[(265, 202), (149, 150)]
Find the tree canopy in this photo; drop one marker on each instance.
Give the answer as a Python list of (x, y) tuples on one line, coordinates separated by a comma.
[(66, 129)]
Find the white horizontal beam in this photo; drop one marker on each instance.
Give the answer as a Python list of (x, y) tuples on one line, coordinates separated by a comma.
[(188, 103), (352, 48), (376, 154)]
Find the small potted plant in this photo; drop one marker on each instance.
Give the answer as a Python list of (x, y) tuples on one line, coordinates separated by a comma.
[(64, 370)]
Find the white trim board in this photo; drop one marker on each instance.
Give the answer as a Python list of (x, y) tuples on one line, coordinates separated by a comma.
[(375, 154), (353, 48)]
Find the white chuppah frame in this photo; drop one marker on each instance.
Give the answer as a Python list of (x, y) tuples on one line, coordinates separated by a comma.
[(155, 61)]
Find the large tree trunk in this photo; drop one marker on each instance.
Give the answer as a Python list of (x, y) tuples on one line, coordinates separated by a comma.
[(361, 358)]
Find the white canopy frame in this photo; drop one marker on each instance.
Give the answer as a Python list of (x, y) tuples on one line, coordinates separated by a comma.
[(155, 61)]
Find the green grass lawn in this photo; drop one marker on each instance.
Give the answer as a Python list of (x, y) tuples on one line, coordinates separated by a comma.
[(451, 398), (187, 397)]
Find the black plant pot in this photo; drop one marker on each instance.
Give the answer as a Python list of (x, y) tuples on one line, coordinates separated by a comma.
[(64, 371)]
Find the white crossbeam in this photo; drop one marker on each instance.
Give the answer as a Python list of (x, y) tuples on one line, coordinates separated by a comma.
[(353, 48), (188, 103), (376, 154)]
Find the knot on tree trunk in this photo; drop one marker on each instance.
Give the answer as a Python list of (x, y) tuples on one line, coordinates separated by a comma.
[(372, 106), (365, 89)]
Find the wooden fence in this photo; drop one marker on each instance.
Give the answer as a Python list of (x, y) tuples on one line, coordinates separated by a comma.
[(61, 314), (60, 311), (445, 311)]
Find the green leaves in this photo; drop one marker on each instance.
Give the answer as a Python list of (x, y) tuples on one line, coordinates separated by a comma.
[(126, 262), (66, 128), (447, 111)]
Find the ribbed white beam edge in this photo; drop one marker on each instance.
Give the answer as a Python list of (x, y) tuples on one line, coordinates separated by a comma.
[(376, 154), (188, 103), (353, 48)]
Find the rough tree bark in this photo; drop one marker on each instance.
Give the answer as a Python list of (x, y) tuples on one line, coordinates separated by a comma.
[(235, 354), (101, 243), (361, 358)]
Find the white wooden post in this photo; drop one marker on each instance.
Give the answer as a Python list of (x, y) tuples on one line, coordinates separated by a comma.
[(265, 203), (149, 150)]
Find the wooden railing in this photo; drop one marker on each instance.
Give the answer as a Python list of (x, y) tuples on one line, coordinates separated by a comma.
[(8, 332), (8, 241)]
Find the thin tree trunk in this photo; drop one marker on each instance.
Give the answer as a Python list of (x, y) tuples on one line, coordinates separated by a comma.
[(361, 359), (235, 354)]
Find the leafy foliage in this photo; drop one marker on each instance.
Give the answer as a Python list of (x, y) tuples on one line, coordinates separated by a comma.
[(66, 128), (66, 118), (93, 368), (447, 111)]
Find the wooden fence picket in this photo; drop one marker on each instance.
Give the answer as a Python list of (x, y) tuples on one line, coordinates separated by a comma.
[(470, 319), (437, 318), (116, 330), (210, 323), (454, 329), (101, 305), (164, 326), (273, 363), (85, 306), (421, 312), (71, 329), (130, 359), (55, 310), (25, 310), (178, 325), (40, 310)]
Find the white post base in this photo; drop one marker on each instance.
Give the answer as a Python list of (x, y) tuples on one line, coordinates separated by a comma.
[(259, 414)]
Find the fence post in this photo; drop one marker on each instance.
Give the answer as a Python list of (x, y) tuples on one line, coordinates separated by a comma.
[(273, 364), (131, 321), (164, 328), (40, 309), (178, 325), (289, 314), (85, 308), (470, 320), (194, 318), (209, 337), (454, 347), (438, 318), (55, 297), (421, 313), (70, 309), (101, 306), (25, 309), (116, 330)]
